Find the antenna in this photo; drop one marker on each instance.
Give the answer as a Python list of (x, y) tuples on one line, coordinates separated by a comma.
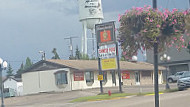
[(71, 44)]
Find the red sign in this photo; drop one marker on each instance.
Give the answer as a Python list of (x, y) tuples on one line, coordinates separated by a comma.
[(125, 75), (105, 36), (78, 76)]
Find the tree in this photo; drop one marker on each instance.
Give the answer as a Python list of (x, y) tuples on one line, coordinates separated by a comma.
[(9, 70), (56, 56), (142, 27), (77, 53), (28, 63), (20, 70)]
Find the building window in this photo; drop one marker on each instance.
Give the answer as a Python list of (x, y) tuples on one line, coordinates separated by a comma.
[(104, 77), (61, 78), (89, 77)]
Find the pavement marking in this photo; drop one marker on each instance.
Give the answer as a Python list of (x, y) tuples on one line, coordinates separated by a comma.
[(152, 94)]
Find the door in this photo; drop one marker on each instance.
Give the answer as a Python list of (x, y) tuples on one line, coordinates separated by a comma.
[(137, 78)]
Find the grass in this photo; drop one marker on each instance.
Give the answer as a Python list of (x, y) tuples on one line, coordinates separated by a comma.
[(101, 97), (117, 96)]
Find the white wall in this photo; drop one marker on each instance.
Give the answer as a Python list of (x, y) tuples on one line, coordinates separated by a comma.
[(10, 83), (42, 81), (77, 85), (19, 88)]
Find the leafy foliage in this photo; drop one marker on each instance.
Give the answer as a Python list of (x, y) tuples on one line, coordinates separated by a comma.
[(56, 56), (141, 27)]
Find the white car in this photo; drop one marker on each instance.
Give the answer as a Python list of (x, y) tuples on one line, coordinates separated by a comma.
[(184, 81), (175, 77)]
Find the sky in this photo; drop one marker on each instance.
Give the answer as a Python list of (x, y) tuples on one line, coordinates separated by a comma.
[(29, 26)]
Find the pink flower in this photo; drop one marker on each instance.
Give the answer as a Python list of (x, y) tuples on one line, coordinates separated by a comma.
[(158, 26), (145, 30), (151, 20), (175, 21), (174, 38), (189, 42), (182, 46), (148, 13), (119, 18), (176, 30), (124, 53)]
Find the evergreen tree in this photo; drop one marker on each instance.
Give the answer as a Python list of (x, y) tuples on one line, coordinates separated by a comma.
[(28, 63), (20, 70), (84, 56), (9, 70), (56, 56), (77, 53)]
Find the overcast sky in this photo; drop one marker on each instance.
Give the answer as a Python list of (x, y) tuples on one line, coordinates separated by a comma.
[(28, 26)]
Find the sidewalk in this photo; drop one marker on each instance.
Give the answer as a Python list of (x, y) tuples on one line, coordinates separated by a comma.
[(131, 89)]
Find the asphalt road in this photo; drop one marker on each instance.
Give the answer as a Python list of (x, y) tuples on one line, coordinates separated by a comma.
[(175, 99)]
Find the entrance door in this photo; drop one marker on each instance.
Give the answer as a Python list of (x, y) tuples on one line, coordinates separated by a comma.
[(137, 78)]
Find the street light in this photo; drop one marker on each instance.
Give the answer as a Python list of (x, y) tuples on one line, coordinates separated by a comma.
[(3, 65), (165, 58), (43, 55)]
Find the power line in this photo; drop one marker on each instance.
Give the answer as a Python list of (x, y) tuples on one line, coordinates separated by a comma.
[(71, 44)]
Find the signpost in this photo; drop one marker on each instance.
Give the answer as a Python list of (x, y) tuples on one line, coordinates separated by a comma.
[(107, 50), (100, 77)]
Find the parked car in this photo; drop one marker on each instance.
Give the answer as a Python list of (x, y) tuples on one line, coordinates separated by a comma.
[(175, 77), (184, 81)]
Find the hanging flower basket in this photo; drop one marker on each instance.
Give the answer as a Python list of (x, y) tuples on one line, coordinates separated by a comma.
[(141, 27)]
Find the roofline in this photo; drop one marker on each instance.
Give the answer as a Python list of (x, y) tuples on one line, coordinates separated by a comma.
[(43, 61)]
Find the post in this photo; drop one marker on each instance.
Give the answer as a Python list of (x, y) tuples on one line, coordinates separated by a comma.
[(100, 73), (118, 69), (2, 96), (156, 89), (167, 85)]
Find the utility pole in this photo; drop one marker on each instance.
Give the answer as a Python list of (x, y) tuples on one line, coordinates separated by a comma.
[(71, 44), (156, 89)]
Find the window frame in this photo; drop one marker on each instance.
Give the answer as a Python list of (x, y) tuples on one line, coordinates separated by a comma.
[(91, 80), (62, 80)]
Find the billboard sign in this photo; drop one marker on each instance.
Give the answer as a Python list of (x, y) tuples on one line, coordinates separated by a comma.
[(125, 75), (105, 33), (78, 76), (107, 51), (109, 64)]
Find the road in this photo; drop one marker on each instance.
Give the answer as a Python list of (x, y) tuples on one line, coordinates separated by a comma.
[(175, 99)]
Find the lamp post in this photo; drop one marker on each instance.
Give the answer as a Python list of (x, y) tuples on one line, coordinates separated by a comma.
[(3, 65), (165, 58), (43, 55)]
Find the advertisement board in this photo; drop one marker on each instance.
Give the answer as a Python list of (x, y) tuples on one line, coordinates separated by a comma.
[(78, 76), (109, 64), (125, 75), (105, 33), (107, 51)]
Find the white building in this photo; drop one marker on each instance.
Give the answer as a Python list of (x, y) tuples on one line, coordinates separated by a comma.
[(15, 84), (67, 75)]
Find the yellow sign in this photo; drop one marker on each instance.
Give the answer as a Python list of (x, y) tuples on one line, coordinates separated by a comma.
[(100, 77), (108, 64)]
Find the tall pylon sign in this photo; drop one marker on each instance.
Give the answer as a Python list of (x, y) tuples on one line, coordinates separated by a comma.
[(90, 13)]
